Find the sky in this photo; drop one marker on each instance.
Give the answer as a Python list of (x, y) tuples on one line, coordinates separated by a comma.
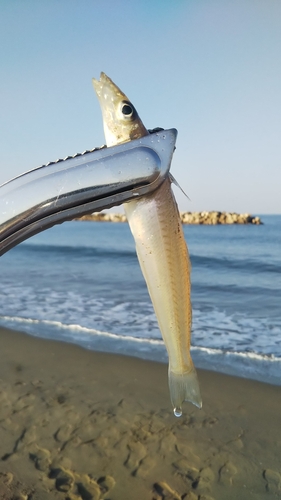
[(209, 68)]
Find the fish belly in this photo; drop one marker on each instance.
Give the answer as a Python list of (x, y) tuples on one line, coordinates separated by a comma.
[(163, 256)]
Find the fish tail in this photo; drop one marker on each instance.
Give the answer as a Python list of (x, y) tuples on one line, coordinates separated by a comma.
[(184, 387)]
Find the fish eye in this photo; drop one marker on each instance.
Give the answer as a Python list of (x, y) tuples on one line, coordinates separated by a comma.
[(127, 109)]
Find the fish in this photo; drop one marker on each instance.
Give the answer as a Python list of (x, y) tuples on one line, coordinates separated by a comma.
[(162, 252)]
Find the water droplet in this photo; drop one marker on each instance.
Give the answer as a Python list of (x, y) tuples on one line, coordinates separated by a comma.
[(178, 412)]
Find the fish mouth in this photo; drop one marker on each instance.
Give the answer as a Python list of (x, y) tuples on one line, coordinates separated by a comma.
[(99, 84), (105, 88)]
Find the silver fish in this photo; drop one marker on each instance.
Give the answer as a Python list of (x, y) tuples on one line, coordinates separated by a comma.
[(162, 252)]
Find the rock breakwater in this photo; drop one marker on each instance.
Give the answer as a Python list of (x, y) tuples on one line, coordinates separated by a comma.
[(209, 218), (218, 218)]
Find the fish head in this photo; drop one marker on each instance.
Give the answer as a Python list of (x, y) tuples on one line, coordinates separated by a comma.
[(121, 121)]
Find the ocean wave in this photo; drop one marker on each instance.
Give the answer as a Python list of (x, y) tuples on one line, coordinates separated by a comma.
[(261, 367), (253, 365), (74, 328), (92, 332), (212, 328), (78, 251), (247, 265)]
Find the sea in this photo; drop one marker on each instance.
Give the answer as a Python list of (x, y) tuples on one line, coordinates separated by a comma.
[(80, 282)]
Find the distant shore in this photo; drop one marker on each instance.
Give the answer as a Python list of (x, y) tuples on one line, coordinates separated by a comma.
[(209, 218)]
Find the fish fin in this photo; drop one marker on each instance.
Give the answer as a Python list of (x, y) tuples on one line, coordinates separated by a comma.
[(174, 181), (184, 387)]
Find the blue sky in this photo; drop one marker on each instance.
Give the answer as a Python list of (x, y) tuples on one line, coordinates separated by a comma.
[(210, 68)]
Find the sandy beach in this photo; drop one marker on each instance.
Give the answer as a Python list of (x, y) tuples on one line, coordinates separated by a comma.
[(75, 424)]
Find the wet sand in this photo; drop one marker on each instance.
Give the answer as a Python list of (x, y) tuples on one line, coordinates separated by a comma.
[(75, 424)]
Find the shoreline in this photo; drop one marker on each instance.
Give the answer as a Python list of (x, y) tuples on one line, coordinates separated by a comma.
[(246, 365), (79, 424)]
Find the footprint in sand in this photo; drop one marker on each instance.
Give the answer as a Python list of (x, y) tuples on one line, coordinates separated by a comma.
[(89, 489), (273, 480), (6, 478), (168, 444), (106, 483), (89, 492), (203, 483), (186, 471), (89, 432), (63, 433), (145, 466), (226, 473), (24, 403), (28, 437), (164, 492), (64, 481), (42, 459), (186, 451), (136, 453), (23, 442)]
